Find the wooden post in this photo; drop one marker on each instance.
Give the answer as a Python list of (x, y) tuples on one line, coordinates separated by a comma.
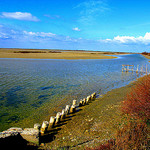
[(84, 101), (51, 122), (137, 69), (44, 127), (67, 109), (93, 96), (127, 68), (58, 116), (122, 68), (73, 109), (141, 68), (88, 99), (81, 103), (146, 69), (74, 102), (63, 114), (37, 126)]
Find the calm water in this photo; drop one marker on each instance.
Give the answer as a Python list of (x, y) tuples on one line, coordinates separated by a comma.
[(27, 86)]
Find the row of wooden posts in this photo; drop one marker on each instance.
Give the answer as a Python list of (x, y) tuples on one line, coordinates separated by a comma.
[(60, 116), (128, 68)]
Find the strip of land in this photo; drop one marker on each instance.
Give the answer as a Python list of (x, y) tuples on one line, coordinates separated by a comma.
[(148, 57), (55, 54)]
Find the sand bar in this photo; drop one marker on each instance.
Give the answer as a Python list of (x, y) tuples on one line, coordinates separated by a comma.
[(53, 54)]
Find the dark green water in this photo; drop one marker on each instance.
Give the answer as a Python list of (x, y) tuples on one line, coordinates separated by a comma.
[(32, 88)]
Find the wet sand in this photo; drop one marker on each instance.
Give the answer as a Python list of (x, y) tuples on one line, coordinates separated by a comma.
[(53, 54)]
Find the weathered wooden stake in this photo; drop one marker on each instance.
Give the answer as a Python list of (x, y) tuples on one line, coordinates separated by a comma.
[(84, 101), (44, 127), (67, 109), (146, 69), (137, 70), (88, 99), (73, 109), (37, 126), (74, 102), (51, 122), (63, 114), (93, 96), (81, 103), (58, 117)]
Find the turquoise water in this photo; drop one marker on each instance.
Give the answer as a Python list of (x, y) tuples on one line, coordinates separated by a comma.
[(26, 85)]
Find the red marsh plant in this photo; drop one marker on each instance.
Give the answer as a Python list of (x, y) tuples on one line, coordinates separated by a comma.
[(137, 102), (133, 133)]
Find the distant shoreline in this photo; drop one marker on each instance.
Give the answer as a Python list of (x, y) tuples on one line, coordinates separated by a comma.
[(56, 54)]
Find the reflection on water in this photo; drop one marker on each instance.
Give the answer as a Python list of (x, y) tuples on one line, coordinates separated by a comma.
[(28, 84)]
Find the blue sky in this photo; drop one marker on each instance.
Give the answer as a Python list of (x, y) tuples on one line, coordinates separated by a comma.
[(104, 25)]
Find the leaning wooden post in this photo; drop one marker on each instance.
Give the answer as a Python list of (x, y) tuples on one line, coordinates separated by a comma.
[(74, 102), (67, 109), (44, 127), (58, 116), (81, 103), (84, 101), (88, 99), (128, 68), (122, 68), (93, 96), (73, 109), (137, 69), (63, 114), (51, 122), (146, 69), (37, 126), (141, 68)]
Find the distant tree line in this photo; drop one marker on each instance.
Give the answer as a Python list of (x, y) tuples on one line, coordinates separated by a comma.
[(146, 53)]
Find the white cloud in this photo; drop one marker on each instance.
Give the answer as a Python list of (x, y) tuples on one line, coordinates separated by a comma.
[(76, 29), (19, 16), (39, 34), (131, 39)]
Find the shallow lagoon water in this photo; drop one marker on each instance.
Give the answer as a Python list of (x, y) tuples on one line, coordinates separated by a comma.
[(32, 88)]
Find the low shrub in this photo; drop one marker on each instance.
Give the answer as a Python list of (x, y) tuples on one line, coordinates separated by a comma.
[(133, 135), (137, 102)]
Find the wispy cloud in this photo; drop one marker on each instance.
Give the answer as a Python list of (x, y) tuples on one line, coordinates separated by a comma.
[(39, 34), (19, 16), (76, 29), (12, 37), (91, 9)]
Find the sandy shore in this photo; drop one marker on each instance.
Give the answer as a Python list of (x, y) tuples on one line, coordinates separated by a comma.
[(148, 57), (54, 54)]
